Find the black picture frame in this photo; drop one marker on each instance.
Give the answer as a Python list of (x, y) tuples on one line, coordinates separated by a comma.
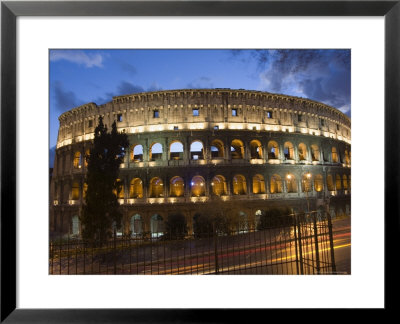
[(10, 10)]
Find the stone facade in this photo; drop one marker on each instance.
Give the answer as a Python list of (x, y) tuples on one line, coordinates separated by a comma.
[(187, 146)]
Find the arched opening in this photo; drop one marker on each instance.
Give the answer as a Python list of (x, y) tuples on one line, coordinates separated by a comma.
[(78, 160), (258, 184), (318, 183), (156, 151), (346, 157), (87, 154), (115, 229), (198, 186), (218, 185), (329, 183), (84, 191), (176, 151), (334, 155), (306, 182), (338, 182), (345, 186), (176, 187), (156, 188), (217, 149), (136, 188), (75, 225), (136, 153), (288, 151), (119, 191), (237, 149), (273, 150), (243, 225), (291, 183), (136, 225), (196, 150), (156, 225), (302, 150), (276, 184), (239, 185), (315, 152), (349, 182), (75, 190), (256, 149)]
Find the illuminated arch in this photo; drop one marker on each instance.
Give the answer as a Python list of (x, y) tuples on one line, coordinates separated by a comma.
[(136, 153), (273, 150), (75, 225), (256, 149), (196, 150), (346, 157), (243, 225), (318, 183), (75, 190), (291, 183), (136, 225), (84, 191), (217, 149), (218, 185), (77, 160), (176, 151), (87, 154), (329, 182), (345, 184), (302, 152), (119, 192), (315, 152), (237, 149), (276, 184), (334, 155), (156, 188), (156, 151), (288, 151), (176, 187), (156, 225), (136, 188), (198, 186), (239, 185), (338, 182), (306, 182), (258, 184)]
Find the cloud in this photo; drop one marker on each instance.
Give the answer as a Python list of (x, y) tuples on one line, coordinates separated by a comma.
[(321, 75), (78, 56), (127, 67), (202, 82), (64, 99)]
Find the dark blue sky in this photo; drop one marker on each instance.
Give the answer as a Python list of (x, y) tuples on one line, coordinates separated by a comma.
[(82, 76)]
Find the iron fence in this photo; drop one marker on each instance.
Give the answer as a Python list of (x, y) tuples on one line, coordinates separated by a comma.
[(295, 244)]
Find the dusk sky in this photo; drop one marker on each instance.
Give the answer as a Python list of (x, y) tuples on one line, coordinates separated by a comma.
[(81, 76)]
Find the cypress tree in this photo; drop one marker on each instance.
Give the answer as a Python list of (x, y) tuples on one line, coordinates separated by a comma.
[(101, 208)]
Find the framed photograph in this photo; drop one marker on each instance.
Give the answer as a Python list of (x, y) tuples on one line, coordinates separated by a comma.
[(65, 64)]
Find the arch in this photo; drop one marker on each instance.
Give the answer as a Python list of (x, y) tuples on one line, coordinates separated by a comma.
[(329, 183), (288, 151), (84, 191), (118, 230), (156, 225), (75, 225), (258, 184), (136, 225), (136, 153), (314, 152), (306, 182), (318, 183), (77, 160), (217, 149), (256, 149), (198, 186), (302, 152), (176, 151), (119, 189), (156, 150), (136, 188), (87, 154), (156, 188), (349, 182), (276, 184), (291, 184), (338, 182), (346, 157), (243, 225), (345, 185), (75, 191), (218, 185), (196, 150), (237, 149), (273, 150), (239, 185), (176, 187), (334, 155)]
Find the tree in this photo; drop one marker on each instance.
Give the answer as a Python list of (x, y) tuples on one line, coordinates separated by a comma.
[(101, 208)]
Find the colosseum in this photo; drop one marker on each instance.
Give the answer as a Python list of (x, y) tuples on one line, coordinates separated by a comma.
[(258, 149)]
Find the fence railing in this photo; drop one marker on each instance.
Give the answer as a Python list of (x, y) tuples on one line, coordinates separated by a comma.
[(294, 244)]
